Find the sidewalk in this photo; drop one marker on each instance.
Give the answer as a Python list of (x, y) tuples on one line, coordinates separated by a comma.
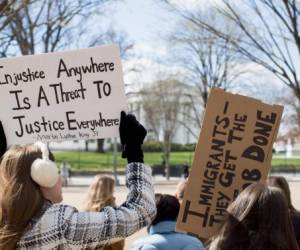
[(83, 181)]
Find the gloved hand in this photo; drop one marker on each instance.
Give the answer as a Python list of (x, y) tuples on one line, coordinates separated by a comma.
[(132, 135), (3, 144)]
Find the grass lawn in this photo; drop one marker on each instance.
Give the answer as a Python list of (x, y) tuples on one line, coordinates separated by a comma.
[(284, 162), (104, 161)]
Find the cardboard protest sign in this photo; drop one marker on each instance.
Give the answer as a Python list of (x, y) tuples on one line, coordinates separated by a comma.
[(233, 151), (62, 96)]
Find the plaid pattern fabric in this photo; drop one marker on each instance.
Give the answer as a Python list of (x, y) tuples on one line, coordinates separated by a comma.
[(63, 227)]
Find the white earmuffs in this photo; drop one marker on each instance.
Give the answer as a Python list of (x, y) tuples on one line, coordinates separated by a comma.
[(44, 171)]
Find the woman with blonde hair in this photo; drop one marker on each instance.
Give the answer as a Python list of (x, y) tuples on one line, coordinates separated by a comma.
[(257, 220), (100, 195), (30, 188)]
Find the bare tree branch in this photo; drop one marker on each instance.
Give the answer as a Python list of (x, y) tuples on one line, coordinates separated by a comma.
[(161, 103), (44, 25), (266, 33)]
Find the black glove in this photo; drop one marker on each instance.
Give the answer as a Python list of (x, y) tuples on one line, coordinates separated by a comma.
[(3, 144), (132, 135)]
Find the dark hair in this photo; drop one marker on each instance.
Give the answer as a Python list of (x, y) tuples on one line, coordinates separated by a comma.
[(281, 182), (167, 208), (258, 219)]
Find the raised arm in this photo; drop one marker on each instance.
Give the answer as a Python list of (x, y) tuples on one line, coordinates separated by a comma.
[(94, 229)]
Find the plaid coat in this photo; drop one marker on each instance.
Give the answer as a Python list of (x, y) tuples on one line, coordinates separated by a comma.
[(63, 227)]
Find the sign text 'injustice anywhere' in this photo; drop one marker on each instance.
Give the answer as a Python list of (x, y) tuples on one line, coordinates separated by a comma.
[(62, 96)]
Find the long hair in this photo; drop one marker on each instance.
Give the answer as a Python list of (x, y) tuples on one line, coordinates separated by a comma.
[(281, 183), (20, 197), (100, 194), (258, 219)]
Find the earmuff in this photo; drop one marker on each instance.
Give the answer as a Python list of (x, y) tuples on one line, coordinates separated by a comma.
[(44, 171)]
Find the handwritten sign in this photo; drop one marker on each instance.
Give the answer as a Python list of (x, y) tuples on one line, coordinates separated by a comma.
[(233, 151), (62, 96)]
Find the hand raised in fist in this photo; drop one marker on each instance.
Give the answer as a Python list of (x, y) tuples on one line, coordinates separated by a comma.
[(132, 135)]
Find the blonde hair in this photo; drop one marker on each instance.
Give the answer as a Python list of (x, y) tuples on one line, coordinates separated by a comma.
[(20, 197), (100, 194)]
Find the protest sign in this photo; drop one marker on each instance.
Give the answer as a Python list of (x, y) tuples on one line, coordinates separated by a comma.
[(233, 151), (62, 96)]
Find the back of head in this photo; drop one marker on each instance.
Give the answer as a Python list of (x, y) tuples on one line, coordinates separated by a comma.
[(100, 194), (281, 183), (258, 219), (21, 198), (167, 208)]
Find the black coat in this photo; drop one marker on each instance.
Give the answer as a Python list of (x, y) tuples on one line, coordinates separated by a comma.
[(295, 216)]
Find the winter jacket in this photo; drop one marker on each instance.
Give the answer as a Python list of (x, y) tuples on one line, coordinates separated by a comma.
[(63, 227), (295, 216), (162, 236)]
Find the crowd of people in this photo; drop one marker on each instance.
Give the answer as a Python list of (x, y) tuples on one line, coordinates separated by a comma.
[(262, 217)]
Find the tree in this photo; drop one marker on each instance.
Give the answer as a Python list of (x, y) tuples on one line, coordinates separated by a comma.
[(35, 26), (291, 117), (208, 61), (266, 33), (125, 49), (161, 103), (29, 27)]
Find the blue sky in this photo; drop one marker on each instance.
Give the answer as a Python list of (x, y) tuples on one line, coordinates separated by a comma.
[(146, 23), (143, 20)]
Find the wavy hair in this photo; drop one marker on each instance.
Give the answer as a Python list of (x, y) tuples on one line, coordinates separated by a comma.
[(100, 194)]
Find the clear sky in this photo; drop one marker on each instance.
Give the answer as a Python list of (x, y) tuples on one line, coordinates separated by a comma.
[(146, 22), (143, 20)]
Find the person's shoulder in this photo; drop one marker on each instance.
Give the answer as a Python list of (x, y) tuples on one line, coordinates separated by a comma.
[(147, 243), (191, 240), (61, 208), (56, 214), (175, 239), (46, 224)]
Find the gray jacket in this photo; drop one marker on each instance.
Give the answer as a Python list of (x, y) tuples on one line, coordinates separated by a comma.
[(63, 227)]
